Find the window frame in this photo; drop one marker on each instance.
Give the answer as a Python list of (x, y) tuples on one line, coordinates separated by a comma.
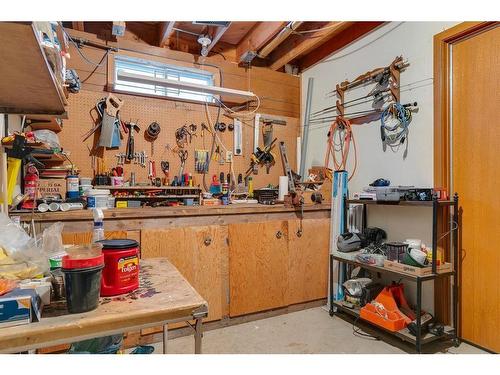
[(158, 60)]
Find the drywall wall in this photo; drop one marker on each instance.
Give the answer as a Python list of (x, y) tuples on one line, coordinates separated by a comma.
[(414, 41)]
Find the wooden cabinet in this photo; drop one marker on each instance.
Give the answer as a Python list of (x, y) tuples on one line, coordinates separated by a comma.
[(79, 238), (258, 266), (197, 252), (308, 260)]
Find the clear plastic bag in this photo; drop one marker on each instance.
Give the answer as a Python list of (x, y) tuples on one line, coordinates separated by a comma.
[(26, 257), (47, 136)]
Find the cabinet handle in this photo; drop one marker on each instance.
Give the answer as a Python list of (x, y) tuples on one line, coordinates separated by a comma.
[(207, 241), (279, 234), (299, 233)]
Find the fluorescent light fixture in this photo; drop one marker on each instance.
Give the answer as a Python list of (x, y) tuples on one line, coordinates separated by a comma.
[(164, 82)]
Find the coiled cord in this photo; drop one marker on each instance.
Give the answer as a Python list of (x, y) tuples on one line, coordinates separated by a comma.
[(395, 134), (340, 138)]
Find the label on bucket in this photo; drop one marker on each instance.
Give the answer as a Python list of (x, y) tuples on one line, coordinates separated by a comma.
[(128, 268)]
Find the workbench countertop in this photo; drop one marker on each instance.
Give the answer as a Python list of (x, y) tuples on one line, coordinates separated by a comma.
[(165, 212)]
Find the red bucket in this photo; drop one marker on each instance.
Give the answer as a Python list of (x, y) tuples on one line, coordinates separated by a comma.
[(121, 270)]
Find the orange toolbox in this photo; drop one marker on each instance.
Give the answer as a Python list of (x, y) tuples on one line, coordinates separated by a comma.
[(385, 312)]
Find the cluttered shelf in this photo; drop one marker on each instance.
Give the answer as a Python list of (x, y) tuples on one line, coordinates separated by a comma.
[(146, 187), (403, 334), (400, 202), (40, 150), (399, 273)]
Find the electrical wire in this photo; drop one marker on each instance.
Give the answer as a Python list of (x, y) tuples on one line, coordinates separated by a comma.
[(357, 332), (395, 133), (341, 129), (82, 55)]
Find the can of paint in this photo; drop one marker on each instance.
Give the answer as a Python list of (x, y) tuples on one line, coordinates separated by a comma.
[(72, 186)]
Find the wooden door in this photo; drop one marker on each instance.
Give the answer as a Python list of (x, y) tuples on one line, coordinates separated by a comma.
[(258, 266), (476, 178), (308, 260), (197, 252)]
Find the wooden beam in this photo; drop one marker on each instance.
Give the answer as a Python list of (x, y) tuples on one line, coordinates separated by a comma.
[(165, 32), (284, 33), (257, 37), (77, 25), (219, 31), (335, 43), (307, 44)]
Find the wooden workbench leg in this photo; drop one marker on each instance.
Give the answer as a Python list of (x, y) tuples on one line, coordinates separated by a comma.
[(165, 338), (197, 336)]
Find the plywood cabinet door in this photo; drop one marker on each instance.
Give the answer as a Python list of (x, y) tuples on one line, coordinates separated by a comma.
[(197, 252), (308, 260), (81, 238), (258, 266)]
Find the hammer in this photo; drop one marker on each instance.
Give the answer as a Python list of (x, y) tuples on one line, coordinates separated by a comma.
[(130, 143)]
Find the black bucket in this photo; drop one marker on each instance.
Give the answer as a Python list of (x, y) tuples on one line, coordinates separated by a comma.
[(83, 286)]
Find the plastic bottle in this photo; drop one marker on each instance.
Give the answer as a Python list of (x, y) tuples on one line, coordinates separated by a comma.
[(98, 232), (250, 187)]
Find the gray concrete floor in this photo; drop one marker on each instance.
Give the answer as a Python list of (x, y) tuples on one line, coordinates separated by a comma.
[(303, 332)]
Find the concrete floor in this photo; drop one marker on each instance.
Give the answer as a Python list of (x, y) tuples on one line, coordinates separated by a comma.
[(303, 332)]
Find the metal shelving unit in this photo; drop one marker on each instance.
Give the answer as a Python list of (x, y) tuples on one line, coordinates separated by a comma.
[(419, 339)]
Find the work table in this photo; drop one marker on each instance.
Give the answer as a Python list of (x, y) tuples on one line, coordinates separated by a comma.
[(242, 258)]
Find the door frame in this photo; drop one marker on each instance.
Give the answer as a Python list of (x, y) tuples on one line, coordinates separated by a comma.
[(442, 129)]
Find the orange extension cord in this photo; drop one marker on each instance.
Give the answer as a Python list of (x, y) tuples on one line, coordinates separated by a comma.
[(342, 127)]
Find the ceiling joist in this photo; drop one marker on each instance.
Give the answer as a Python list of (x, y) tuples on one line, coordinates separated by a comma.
[(219, 31), (302, 45), (166, 30), (257, 38), (77, 25), (335, 43)]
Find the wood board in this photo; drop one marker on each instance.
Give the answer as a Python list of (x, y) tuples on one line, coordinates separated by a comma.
[(308, 260), (26, 73), (258, 265)]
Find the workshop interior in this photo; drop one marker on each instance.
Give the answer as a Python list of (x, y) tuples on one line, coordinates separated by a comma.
[(249, 187)]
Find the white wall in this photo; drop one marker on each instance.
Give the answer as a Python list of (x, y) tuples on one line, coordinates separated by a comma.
[(413, 40)]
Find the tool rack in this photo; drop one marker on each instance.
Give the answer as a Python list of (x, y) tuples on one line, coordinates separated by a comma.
[(167, 192), (450, 332)]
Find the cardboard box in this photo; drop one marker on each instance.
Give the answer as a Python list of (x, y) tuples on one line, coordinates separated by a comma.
[(416, 271), (20, 306), (52, 186)]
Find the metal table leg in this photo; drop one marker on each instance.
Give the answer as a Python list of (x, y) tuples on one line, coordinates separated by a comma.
[(419, 317), (198, 334), (165, 338)]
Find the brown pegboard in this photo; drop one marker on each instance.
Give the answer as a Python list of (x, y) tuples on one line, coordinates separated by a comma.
[(170, 115)]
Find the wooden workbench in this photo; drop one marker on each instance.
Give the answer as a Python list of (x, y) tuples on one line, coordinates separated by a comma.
[(215, 249), (164, 297)]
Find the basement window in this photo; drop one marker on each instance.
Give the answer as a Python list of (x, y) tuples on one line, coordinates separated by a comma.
[(158, 70)]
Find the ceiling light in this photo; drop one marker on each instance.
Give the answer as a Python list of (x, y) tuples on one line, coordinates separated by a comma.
[(205, 41)]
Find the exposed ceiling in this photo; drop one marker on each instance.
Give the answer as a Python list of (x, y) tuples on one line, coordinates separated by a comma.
[(277, 45)]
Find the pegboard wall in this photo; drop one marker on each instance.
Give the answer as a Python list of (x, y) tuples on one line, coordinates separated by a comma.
[(170, 115)]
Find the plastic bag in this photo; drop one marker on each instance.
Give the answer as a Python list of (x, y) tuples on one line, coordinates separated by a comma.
[(13, 238), (47, 136), (26, 258), (355, 286), (52, 240)]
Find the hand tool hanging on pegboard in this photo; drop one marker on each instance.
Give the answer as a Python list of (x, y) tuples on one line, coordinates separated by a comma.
[(131, 126), (109, 123), (151, 134)]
